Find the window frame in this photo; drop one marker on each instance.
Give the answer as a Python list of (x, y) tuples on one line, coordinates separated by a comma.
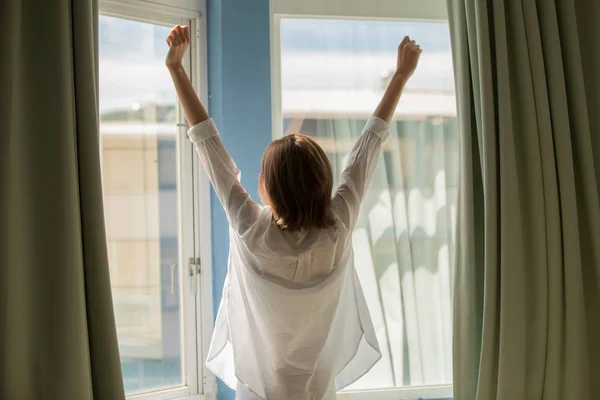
[(193, 204), (390, 10), (425, 10)]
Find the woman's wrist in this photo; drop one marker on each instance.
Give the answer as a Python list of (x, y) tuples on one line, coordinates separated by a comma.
[(400, 76), (173, 68)]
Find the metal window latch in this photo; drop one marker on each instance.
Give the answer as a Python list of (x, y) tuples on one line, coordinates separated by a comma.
[(194, 270), (182, 129)]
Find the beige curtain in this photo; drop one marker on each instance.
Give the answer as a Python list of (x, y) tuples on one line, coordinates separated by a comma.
[(57, 331), (527, 309)]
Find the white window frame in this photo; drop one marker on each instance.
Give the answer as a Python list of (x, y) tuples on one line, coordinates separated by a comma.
[(396, 10), (194, 201)]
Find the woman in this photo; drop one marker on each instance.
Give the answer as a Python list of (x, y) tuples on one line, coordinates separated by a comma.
[(293, 322)]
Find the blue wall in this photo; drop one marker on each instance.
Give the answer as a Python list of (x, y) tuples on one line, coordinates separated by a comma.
[(239, 85)]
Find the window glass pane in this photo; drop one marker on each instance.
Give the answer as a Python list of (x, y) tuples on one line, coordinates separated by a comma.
[(333, 73), (139, 172)]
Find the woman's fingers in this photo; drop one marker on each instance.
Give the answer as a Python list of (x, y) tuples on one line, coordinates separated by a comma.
[(183, 33), (408, 44), (404, 41), (172, 37), (414, 46), (178, 35)]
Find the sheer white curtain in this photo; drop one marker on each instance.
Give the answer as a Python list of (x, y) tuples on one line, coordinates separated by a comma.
[(333, 73)]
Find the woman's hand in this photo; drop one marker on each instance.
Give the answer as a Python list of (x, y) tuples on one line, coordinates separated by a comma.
[(409, 53), (178, 41), (408, 57)]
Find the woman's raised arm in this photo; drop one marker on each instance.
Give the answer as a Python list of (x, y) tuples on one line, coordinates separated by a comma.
[(178, 41), (241, 211)]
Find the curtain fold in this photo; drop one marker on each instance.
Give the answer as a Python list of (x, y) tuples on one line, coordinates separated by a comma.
[(57, 325), (528, 239)]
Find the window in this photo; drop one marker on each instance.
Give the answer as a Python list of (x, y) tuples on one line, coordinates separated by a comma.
[(151, 198), (329, 76)]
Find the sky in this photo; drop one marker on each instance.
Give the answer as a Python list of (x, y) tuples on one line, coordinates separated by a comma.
[(317, 54)]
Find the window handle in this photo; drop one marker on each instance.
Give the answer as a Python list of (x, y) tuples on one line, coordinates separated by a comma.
[(173, 271)]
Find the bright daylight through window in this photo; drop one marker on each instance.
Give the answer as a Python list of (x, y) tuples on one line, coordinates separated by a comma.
[(333, 73), (139, 170)]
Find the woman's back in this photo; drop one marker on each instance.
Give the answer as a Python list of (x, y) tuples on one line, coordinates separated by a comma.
[(292, 319), (293, 259)]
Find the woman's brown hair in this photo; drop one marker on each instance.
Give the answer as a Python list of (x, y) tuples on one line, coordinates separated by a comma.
[(298, 179)]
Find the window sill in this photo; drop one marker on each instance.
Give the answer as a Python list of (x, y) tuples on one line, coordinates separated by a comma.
[(182, 393), (401, 393)]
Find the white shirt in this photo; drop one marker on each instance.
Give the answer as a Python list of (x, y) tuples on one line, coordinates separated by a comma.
[(293, 322)]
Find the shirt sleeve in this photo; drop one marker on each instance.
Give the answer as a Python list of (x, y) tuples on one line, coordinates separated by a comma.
[(357, 175), (224, 175)]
